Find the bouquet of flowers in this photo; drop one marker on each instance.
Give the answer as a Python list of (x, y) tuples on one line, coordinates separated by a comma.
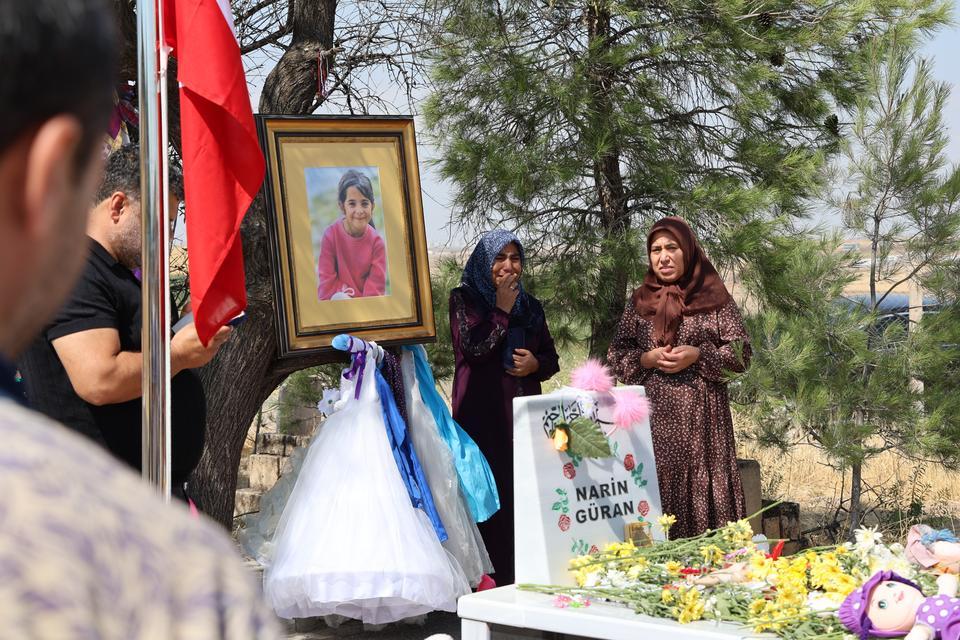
[(725, 575)]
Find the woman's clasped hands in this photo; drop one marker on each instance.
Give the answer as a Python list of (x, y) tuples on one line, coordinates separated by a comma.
[(670, 359)]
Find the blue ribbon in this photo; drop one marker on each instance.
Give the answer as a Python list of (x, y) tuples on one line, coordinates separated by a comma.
[(473, 470), (943, 535), (408, 464)]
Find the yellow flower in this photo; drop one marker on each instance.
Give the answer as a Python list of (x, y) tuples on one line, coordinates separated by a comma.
[(712, 554), (689, 606), (760, 566), (826, 574), (636, 567), (673, 567), (620, 549), (580, 576), (666, 521), (738, 534), (757, 607), (560, 439), (587, 577), (666, 596)]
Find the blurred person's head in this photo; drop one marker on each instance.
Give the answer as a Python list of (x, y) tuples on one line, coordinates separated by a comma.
[(116, 219), (56, 94)]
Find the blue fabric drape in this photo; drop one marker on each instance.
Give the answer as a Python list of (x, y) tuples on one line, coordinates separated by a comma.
[(406, 457), (476, 479)]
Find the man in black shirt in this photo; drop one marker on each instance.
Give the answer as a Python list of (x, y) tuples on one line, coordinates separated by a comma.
[(85, 369)]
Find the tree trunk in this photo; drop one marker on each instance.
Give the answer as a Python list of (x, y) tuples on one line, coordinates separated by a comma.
[(245, 371), (291, 88), (608, 182), (856, 486)]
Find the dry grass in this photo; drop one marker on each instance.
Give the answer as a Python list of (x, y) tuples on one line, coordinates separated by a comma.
[(897, 492)]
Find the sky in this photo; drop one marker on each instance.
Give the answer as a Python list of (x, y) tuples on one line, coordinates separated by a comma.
[(944, 50)]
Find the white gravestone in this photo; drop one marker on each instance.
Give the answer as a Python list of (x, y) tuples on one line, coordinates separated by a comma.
[(564, 506)]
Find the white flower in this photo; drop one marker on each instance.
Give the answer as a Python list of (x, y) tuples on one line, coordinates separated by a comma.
[(881, 552), (327, 405), (592, 579), (819, 601), (867, 538), (883, 559), (710, 603), (617, 578)]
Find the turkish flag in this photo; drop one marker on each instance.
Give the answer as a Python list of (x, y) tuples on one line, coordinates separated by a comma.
[(222, 163)]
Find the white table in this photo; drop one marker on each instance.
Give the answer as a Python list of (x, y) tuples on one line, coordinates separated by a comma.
[(526, 610)]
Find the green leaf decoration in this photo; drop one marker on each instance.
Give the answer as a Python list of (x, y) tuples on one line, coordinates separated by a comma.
[(587, 440)]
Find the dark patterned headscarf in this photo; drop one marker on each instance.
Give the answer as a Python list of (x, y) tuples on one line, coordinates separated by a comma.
[(478, 278)]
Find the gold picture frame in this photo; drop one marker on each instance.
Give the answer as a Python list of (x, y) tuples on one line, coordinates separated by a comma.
[(346, 225)]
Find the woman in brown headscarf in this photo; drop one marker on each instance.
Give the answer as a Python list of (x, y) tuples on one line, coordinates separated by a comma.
[(678, 337)]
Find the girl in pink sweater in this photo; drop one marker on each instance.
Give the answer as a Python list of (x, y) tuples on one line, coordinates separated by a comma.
[(353, 261)]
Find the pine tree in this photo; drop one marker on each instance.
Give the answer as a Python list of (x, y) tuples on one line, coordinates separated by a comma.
[(579, 123), (840, 375)]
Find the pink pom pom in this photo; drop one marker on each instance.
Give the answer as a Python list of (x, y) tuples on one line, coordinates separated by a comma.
[(592, 376), (629, 408)]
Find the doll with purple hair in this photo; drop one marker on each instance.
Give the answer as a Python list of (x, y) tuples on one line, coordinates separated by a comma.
[(890, 606)]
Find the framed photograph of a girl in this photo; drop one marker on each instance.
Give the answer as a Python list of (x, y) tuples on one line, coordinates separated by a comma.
[(352, 260), (346, 224)]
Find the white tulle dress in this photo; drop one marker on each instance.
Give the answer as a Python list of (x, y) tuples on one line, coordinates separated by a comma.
[(463, 537), (349, 541)]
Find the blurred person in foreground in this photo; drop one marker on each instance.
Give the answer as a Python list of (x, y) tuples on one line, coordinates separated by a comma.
[(85, 368), (87, 549)]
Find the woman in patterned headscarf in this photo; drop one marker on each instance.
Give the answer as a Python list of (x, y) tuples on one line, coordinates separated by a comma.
[(679, 336), (503, 349)]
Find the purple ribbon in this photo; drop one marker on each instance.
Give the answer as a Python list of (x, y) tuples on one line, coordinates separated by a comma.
[(355, 372)]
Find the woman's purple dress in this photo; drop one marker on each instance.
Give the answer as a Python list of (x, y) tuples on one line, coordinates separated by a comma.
[(483, 396)]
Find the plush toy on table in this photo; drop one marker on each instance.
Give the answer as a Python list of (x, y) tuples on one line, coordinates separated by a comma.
[(890, 606), (938, 551)]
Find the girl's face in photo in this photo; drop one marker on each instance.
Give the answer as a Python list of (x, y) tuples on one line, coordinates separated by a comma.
[(357, 210)]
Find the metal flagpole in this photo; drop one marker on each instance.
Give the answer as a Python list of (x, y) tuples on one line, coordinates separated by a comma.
[(156, 264)]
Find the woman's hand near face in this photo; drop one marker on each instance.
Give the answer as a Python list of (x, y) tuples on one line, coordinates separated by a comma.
[(676, 359), (507, 292), (524, 363)]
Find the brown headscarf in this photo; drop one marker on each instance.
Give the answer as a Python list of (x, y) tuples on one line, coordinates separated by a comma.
[(699, 290)]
